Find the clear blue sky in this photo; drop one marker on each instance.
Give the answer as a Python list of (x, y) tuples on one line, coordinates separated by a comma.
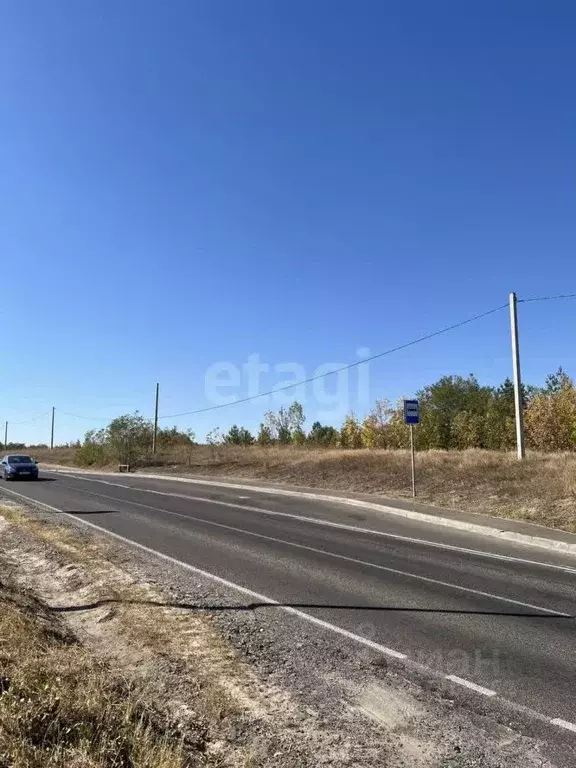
[(184, 183)]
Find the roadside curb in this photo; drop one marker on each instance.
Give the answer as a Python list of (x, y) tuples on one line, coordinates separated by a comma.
[(553, 545)]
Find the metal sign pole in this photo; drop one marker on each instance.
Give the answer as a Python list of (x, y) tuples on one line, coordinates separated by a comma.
[(411, 417), (413, 461)]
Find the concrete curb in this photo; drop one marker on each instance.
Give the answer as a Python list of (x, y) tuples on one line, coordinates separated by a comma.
[(552, 545)]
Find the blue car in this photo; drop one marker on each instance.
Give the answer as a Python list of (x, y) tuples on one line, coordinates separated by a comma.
[(16, 466)]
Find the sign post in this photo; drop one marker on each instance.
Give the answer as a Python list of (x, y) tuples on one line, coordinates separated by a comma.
[(411, 417), (413, 461)]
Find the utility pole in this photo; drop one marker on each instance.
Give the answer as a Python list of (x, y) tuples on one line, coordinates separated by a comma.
[(6, 436), (52, 431), (517, 377), (155, 436)]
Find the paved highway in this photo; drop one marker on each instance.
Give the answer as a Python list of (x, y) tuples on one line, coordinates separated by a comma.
[(496, 616)]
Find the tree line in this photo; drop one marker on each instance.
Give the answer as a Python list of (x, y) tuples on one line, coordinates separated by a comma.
[(456, 413)]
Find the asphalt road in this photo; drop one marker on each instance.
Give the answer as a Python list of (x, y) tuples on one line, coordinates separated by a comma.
[(499, 616)]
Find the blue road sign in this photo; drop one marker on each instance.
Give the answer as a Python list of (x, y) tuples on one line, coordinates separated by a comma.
[(411, 412)]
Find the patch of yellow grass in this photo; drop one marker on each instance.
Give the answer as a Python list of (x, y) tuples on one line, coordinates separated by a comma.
[(138, 628), (60, 707)]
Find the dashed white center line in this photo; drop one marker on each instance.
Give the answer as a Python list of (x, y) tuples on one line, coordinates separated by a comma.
[(326, 553), (564, 724), (472, 686), (265, 600)]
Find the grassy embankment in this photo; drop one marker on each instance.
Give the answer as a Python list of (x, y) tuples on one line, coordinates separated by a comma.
[(541, 489)]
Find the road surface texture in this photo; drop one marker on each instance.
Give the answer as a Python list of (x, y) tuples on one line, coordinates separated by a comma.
[(494, 620)]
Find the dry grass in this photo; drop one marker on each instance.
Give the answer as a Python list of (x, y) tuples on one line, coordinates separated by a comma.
[(177, 654), (139, 614), (60, 707), (541, 489)]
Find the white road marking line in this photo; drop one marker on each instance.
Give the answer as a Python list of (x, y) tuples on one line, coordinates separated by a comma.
[(471, 528), (230, 584), (330, 524), (327, 553), (472, 686), (300, 614), (564, 724)]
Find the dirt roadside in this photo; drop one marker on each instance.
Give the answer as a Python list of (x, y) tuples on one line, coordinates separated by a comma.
[(245, 688)]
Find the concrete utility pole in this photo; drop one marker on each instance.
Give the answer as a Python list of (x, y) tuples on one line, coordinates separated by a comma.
[(517, 377), (155, 436), (6, 436), (52, 430)]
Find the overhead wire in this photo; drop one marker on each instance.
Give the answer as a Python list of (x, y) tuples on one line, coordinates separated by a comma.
[(29, 421), (390, 351), (86, 418), (347, 367), (549, 298)]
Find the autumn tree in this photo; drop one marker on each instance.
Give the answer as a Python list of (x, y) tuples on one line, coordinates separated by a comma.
[(351, 432), (264, 436), (551, 415)]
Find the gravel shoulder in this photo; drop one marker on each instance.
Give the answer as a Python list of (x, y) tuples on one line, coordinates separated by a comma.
[(254, 687)]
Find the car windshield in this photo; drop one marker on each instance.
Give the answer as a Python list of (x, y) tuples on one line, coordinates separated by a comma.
[(19, 460)]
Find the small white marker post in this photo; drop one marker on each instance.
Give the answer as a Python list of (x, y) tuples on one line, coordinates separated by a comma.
[(411, 417)]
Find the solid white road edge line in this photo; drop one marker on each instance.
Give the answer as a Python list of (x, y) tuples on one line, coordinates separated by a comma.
[(327, 553), (564, 724), (224, 582), (330, 524), (300, 614), (512, 536), (472, 686)]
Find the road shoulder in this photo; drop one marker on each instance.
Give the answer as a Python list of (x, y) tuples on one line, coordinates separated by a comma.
[(266, 687)]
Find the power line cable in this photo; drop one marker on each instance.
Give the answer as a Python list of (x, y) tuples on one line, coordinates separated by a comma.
[(549, 298), (29, 421), (344, 367), (310, 379), (86, 418)]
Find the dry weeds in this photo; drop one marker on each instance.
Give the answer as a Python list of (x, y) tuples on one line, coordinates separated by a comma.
[(61, 707), (128, 623)]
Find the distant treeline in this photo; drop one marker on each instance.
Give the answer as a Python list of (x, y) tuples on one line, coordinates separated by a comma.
[(456, 413)]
